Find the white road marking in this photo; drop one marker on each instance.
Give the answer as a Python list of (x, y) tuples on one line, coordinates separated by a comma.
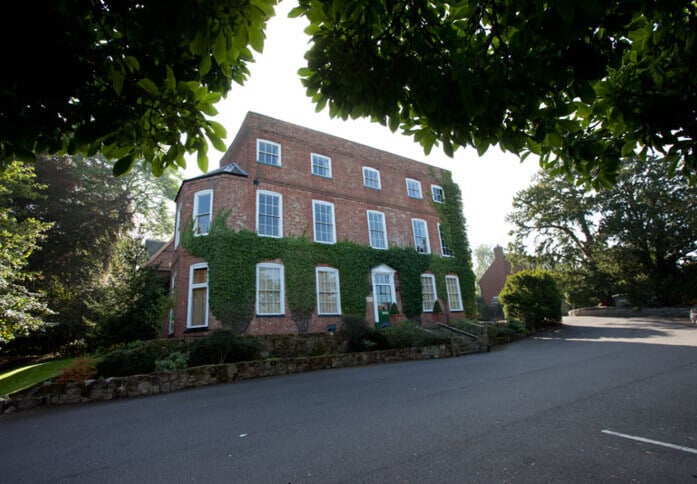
[(649, 441)]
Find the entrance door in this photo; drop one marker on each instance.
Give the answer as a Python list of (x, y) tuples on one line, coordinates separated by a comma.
[(383, 290)]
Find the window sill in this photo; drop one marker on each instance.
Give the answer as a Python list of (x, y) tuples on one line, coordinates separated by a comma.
[(270, 315), (197, 329)]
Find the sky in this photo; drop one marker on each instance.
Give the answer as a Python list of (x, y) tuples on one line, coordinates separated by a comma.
[(273, 88)]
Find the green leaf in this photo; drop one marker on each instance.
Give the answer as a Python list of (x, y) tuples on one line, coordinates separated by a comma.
[(256, 38), (628, 147), (117, 80), (124, 165), (204, 66), (202, 160), (217, 142), (149, 86), (132, 63), (220, 48), (217, 128), (296, 12), (170, 81)]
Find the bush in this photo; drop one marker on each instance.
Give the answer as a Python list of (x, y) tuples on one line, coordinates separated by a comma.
[(533, 297), (223, 346), (173, 361), (516, 325), (128, 361), (410, 335), (359, 336)]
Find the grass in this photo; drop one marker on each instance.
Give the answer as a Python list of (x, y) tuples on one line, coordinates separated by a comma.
[(27, 376)]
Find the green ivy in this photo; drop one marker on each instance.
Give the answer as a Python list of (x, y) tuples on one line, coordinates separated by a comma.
[(232, 258), (454, 231)]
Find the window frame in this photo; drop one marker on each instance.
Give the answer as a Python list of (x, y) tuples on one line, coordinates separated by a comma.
[(432, 278), (314, 221), (425, 236), (192, 286), (272, 143), (384, 230), (437, 188), (383, 270), (199, 194), (177, 226), (334, 271), (443, 247), (328, 167), (280, 213), (281, 269), (377, 172), (459, 307), (173, 296), (417, 182)]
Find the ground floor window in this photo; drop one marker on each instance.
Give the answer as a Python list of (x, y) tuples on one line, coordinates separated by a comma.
[(428, 292), (270, 291), (452, 284), (328, 296), (173, 295), (198, 296)]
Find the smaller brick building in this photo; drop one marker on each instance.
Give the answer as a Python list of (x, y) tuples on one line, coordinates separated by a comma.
[(495, 276), (279, 181)]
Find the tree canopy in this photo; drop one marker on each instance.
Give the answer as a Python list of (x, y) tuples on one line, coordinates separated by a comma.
[(638, 237), (582, 84), (130, 79)]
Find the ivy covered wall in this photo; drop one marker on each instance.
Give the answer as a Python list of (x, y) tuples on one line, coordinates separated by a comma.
[(232, 257)]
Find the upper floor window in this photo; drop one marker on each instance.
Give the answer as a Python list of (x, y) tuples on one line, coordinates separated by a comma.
[(437, 193), (270, 290), (452, 285), (414, 188), (421, 242), (268, 152), (323, 216), (197, 315), (203, 206), (269, 214), (376, 230), (444, 249), (177, 226), (428, 292), (321, 165), (371, 178), (328, 296)]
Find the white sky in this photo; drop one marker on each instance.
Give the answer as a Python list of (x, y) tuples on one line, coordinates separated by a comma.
[(488, 184)]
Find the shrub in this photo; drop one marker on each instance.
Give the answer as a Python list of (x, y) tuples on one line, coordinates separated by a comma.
[(176, 360), (533, 297), (437, 309), (516, 325), (134, 361), (359, 336), (394, 309), (410, 335), (223, 346)]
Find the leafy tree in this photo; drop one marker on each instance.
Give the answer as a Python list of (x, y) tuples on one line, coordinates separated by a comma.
[(651, 224), (20, 308), (638, 237), (129, 79), (130, 303), (483, 257), (560, 220), (583, 84), (532, 296), (91, 212)]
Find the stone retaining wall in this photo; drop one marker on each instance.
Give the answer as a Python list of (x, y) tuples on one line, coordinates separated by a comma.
[(615, 312), (163, 382)]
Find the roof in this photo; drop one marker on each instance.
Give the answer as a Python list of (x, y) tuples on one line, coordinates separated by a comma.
[(231, 169)]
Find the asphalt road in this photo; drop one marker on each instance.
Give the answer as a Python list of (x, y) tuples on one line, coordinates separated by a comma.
[(534, 411)]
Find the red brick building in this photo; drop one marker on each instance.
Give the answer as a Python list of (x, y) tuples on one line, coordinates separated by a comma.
[(493, 280), (281, 180)]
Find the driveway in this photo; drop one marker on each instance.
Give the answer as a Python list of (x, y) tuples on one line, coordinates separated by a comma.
[(606, 400)]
